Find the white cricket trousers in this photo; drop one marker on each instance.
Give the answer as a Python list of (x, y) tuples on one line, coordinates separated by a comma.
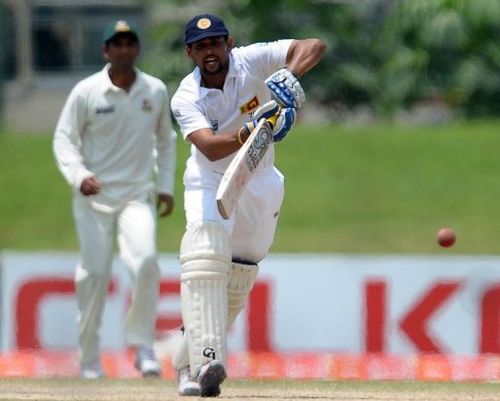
[(252, 227), (134, 224)]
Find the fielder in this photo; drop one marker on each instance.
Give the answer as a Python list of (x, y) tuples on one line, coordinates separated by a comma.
[(111, 127), (217, 106)]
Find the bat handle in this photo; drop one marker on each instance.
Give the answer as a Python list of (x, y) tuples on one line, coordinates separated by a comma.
[(272, 120)]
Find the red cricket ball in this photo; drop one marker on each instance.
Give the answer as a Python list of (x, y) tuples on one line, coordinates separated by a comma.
[(446, 237)]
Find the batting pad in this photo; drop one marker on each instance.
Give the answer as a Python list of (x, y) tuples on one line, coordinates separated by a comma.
[(241, 280), (205, 261), (240, 283)]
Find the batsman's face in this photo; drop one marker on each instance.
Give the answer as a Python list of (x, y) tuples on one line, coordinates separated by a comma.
[(122, 52), (211, 55)]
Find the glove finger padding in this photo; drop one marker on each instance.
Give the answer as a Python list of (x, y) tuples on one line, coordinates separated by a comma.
[(286, 89), (267, 110), (284, 123)]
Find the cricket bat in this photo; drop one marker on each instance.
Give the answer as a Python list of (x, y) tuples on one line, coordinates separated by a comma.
[(242, 167)]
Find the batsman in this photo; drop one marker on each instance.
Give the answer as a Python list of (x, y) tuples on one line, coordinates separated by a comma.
[(217, 106)]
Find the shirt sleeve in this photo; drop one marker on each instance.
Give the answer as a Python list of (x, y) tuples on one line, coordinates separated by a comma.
[(67, 140), (266, 58), (188, 114), (165, 149)]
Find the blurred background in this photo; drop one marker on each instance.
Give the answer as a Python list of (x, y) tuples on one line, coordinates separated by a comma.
[(399, 137), (396, 138)]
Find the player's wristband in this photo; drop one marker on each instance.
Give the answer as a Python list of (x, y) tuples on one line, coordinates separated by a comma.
[(238, 135)]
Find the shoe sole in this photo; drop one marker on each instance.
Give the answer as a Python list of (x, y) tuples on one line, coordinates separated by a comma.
[(190, 392), (211, 380)]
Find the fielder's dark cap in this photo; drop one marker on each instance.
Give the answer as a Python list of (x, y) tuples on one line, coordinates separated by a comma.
[(204, 26), (120, 27)]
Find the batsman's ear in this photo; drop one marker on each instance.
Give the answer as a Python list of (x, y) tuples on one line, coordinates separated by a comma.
[(187, 49), (230, 42)]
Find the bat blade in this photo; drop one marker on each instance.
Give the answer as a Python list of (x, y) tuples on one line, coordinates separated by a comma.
[(242, 167)]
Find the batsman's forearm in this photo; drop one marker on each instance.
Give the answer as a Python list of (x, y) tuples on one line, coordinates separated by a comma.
[(216, 147), (304, 55)]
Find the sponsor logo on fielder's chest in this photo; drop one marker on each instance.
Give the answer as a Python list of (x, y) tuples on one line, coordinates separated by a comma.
[(105, 109), (250, 106)]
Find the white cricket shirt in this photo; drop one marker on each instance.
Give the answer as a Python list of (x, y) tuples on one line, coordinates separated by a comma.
[(196, 107), (116, 136)]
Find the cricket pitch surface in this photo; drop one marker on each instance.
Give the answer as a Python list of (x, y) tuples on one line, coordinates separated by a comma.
[(60, 389)]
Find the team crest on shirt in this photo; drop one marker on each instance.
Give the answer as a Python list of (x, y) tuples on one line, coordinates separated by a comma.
[(215, 125), (146, 105), (250, 106)]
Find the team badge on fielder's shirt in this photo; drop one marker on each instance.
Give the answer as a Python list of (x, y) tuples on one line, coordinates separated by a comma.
[(250, 106), (146, 105), (215, 125)]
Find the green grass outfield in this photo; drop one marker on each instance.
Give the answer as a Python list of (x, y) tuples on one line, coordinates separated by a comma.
[(379, 189), (153, 389)]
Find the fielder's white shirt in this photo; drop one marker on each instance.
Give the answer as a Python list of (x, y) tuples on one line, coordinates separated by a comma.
[(116, 136), (196, 107)]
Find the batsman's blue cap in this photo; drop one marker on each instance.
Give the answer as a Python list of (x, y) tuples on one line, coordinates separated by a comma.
[(120, 27), (204, 26)]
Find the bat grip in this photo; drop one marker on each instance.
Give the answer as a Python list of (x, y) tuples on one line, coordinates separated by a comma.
[(272, 120)]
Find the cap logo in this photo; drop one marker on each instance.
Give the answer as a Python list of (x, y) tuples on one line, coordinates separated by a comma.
[(204, 23), (122, 26)]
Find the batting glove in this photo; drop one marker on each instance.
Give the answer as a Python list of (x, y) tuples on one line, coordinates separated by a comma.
[(286, 89), (281, 120), (268, 110), (284, 123)]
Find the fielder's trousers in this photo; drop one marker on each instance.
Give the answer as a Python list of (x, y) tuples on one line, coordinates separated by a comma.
[(134, 225)]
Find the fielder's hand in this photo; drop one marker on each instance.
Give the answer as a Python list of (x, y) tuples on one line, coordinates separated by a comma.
[(90, 186), (165, 204), (286, 89), (280, 119)]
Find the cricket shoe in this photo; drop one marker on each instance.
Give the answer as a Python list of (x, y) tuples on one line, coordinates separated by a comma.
[(146, 362), (92, 371), (211, 375), (186, 385)]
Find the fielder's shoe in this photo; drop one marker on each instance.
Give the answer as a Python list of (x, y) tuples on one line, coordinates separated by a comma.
[(186, 385), (211, 376), (147, 363), (92, 371)]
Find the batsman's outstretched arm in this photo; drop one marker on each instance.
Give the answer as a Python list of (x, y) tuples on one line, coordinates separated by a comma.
[(304, 55)]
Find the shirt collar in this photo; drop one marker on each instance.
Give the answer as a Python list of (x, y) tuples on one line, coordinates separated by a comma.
[(108, 85)]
